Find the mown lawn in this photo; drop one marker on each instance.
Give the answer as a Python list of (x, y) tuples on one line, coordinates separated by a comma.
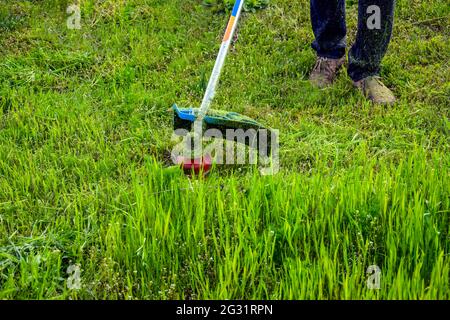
[(85, 135)]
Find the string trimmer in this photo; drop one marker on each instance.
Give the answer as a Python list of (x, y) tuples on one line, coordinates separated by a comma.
[(200, 120)]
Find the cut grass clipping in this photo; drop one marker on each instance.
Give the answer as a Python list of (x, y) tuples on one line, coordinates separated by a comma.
[(85, 135)]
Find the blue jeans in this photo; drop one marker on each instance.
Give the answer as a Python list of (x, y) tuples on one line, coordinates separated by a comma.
[(372, 39)]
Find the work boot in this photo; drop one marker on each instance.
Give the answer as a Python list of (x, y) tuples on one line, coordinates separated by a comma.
[(373, 89), (324, 71)]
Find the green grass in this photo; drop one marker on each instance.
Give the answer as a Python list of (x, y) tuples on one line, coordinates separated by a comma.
[(85, 135)]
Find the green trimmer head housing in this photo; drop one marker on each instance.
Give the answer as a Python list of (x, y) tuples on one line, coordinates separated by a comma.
[(227, 123), (222, 120)]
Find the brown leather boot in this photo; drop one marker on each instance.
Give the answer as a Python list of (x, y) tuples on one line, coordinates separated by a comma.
[(325, 71), (375, 90)]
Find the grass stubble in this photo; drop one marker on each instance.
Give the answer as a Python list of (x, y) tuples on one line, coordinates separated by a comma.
[(84, 136)]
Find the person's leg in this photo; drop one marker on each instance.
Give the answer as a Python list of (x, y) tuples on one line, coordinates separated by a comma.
[(372, 39), (375, 22), (328, 23)]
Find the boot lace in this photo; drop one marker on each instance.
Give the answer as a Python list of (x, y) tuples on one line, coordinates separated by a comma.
[(323, 65)]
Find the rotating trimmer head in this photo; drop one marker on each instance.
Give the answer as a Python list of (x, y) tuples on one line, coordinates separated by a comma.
[(228, 125)]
